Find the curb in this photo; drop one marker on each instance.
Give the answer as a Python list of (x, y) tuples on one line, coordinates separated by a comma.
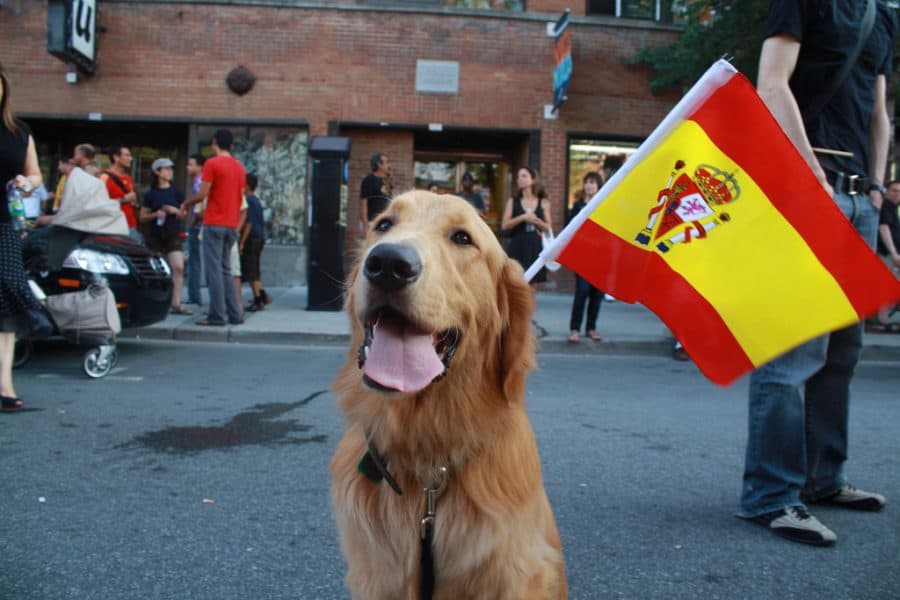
[(236, 334)]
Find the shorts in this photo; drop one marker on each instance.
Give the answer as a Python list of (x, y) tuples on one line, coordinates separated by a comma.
[(253, 247), (235, 261), (164, 241)]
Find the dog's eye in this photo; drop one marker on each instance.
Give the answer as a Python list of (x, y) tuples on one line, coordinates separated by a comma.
[(461, 238), (383, 225)]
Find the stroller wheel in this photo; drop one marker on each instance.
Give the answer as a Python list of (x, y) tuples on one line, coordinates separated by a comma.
[(22, 354), (99, 361)]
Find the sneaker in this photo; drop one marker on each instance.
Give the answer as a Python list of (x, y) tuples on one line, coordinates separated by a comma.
[(850, 497), (255, 306), (797, 525)]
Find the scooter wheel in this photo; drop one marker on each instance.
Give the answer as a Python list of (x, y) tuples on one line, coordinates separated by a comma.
[(94, 366)]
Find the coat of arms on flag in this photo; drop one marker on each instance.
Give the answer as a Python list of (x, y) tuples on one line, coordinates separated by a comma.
[(718, 226), (689, 206)]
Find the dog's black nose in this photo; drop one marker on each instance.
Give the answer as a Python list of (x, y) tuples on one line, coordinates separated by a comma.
[(390, 267)]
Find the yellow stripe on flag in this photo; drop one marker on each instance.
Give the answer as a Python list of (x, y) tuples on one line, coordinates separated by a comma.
[(752, 266)]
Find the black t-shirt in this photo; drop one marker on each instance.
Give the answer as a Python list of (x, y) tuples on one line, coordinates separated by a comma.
[(828, 31), (474, 199), (889, 216), (156, 198), (377, 195)]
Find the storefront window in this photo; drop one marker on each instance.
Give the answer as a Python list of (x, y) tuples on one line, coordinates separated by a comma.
[(498, 5), (278, 156), (445, 177), (604, 157), (666, 11)]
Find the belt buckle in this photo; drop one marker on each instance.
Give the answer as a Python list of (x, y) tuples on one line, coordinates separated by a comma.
[(851, 184)]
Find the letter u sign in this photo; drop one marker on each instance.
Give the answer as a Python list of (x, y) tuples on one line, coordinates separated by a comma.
[(84, 27)]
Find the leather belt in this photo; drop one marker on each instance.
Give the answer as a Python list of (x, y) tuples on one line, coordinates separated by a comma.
[(847, 183)]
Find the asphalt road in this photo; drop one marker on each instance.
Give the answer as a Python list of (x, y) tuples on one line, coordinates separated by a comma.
[(200, 471)]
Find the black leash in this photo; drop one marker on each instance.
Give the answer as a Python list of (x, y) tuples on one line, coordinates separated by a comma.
[(373, 466), (426, 586)]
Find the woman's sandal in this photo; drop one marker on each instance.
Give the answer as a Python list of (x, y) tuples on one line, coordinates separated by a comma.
[(181, 309), (885, 328), (595, 336), (574, 338), (11, 403)]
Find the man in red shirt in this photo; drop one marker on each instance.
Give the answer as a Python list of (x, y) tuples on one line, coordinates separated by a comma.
[(224, 180), (121, 187)]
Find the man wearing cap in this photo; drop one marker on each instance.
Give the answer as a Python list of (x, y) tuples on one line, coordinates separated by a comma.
[(120, 186), (469, 194), (224, 180)]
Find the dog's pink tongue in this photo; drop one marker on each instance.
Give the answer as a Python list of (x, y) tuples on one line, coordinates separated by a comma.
[(402, 358)]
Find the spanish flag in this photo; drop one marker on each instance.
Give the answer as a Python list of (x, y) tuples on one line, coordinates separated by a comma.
[(718, 226)]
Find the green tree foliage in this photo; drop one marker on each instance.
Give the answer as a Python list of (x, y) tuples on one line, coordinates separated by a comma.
[(712, 29)]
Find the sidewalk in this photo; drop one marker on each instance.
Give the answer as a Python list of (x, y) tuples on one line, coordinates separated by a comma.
[(626, 328)]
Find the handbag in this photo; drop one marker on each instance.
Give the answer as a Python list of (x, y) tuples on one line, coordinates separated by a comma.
[(546, 242), (39, 324), (91, 310)]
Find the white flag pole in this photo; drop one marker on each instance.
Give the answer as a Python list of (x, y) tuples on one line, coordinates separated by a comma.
[(714, 78)]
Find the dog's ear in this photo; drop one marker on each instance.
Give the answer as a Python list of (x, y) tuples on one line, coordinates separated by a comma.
[(516, 302)]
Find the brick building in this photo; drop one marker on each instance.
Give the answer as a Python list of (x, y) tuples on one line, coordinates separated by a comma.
[(439, 88)]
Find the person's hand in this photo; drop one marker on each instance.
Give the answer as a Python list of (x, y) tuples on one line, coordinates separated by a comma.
[(876, 199), (24, 184), (819, 172)]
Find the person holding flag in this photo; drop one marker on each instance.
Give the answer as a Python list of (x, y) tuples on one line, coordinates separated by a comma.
[(755, 252), (797, 442)]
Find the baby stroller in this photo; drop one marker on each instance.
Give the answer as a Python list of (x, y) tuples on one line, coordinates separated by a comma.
[(86, 317), (83, 310)]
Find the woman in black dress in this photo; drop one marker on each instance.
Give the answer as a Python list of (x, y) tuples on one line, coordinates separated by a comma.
[(525, 217), (19, 166)]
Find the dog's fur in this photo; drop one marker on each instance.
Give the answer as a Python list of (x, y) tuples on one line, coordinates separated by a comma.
[(495, 535)]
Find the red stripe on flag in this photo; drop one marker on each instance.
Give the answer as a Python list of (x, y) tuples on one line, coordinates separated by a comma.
[(606, 261), (635, 275), (751, 141)]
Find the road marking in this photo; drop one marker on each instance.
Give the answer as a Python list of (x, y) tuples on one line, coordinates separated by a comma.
[(110, 377)]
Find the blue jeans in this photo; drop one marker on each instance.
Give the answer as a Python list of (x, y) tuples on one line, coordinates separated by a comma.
[(585, 291), (194, 267), (798, 444), (217, 243)]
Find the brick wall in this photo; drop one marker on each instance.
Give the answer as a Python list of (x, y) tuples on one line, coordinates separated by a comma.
[(343, 64)]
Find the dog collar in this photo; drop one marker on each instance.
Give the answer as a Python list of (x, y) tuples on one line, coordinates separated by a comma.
[(373, 466)]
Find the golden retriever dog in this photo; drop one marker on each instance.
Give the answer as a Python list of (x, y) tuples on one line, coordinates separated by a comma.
[(436, 483)]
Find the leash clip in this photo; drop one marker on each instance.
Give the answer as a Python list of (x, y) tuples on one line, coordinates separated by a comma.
[(431, 493)]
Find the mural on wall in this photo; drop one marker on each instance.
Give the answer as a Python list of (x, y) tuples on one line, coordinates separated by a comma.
[(278, 156)]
